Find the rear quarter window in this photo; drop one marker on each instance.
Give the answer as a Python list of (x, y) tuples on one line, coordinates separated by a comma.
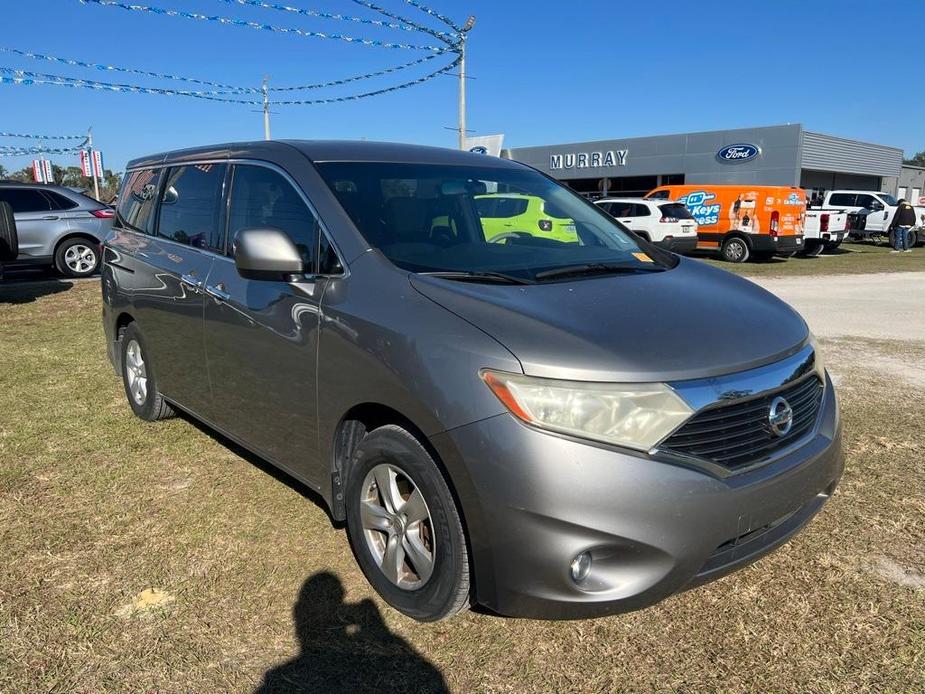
[(137, 200), (676, 210)]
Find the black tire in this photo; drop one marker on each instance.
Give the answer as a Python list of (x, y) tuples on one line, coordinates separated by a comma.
[(831, 245), (152, 406), (812, 248), (77, 257), (9, 241), (735, 250), (446, 590)]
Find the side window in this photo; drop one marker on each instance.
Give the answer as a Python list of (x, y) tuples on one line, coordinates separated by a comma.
[(58, 201), (25, 200), (191, 206), (866, 201), (136, 200), (640, 210), (846, 199), (659, 195), (262, 198)]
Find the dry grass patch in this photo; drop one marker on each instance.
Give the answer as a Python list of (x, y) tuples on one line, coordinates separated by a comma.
[(98, 509)]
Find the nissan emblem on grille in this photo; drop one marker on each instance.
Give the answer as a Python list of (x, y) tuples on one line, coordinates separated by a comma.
[(780, 416)]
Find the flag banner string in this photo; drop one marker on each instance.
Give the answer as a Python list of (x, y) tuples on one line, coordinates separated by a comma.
[(111, 68), (37, 151), (41, 137), (246, 95), (393, 15), (26, 77), (403, 26), (305, 33), (223, 89)]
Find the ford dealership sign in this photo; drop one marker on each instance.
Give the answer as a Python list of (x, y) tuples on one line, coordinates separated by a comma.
[(738, 154)]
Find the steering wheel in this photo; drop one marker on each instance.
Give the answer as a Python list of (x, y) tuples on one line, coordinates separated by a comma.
[(502, 238)]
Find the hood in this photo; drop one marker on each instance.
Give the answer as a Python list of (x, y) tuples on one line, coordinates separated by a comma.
[(693, 321)]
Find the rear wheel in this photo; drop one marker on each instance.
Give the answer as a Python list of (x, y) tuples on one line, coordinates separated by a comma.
[(77, 257), (735, 250), (813, 248), (138, 378), (404, 527)]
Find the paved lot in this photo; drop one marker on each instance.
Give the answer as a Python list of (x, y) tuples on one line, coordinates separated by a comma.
[(881, 306)]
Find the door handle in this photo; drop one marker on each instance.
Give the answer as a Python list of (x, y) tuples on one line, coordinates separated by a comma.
[(50, 217), (191, 281), (218, 292)]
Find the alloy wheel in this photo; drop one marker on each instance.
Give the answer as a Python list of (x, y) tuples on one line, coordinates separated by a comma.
[(80, 258), (397, 526), (136, 373)]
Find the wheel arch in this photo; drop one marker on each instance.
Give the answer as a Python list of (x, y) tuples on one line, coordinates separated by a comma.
[(367, 416), (77, 235)]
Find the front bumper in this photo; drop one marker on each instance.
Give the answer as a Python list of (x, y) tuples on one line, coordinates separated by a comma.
[(534, 500), (678, 244)]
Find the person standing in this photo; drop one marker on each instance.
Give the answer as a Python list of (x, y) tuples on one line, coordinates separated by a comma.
[(903, 221)]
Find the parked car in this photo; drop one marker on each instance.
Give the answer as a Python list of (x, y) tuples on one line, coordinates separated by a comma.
[(665, 223), (506, 215), (742, 221), (823, 230), (550, 429), (57, 227), (877, 210)]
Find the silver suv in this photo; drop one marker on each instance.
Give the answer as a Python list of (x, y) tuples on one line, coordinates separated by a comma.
[(57, 226)]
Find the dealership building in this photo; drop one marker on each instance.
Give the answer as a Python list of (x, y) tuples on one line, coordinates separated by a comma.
[(784, 155)]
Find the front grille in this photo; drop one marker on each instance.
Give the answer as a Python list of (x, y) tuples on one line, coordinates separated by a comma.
[(738, 433)]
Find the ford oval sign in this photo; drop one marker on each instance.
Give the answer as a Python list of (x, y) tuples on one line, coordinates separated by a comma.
[(738, 154), (479, 149)]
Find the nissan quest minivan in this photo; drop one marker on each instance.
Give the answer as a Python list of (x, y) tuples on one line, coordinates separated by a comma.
[(548, 427)]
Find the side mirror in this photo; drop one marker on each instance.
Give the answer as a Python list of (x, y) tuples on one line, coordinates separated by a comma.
[(9, 241), (876, 206), (266, 254)]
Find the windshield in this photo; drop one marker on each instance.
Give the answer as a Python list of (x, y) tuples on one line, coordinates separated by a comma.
[(480, 220), (888, 199)]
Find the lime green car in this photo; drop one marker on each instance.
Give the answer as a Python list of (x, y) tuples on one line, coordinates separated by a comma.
[(508, 215)]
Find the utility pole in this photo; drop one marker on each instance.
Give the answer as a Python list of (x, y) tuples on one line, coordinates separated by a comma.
[(266, 108), (96, 184), (470, 22)]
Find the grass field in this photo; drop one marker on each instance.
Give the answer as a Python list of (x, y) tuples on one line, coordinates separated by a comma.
[(849, 258), (154, 557)]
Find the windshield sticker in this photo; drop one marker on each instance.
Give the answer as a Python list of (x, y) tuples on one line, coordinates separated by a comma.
[(642, 257)]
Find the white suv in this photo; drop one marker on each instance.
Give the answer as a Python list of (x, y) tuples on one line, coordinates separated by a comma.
[(663, 222)]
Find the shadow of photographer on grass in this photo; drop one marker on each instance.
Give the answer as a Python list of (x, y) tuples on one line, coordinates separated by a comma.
[(346, 647)]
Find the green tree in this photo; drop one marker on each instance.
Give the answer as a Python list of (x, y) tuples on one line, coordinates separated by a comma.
[(917, 159)]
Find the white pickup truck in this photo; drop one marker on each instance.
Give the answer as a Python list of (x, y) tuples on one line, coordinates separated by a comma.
[(880, 207), (823, 230)]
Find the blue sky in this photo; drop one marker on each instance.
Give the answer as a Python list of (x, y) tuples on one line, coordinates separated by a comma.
[(544, 72)]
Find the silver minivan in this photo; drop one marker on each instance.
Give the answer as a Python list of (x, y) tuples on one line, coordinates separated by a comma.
[(553, 428)]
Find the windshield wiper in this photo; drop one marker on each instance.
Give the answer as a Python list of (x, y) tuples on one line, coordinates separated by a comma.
[(466, 276), (593, 269)]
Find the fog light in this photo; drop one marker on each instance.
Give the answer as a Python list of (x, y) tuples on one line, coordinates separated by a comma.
[(581, 567)]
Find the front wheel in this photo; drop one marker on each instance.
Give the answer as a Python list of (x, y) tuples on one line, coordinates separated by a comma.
[(404, 527), (77, 258), (735, 250)]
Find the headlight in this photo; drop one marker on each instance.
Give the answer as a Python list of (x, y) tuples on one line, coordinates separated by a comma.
[(635, 415)]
